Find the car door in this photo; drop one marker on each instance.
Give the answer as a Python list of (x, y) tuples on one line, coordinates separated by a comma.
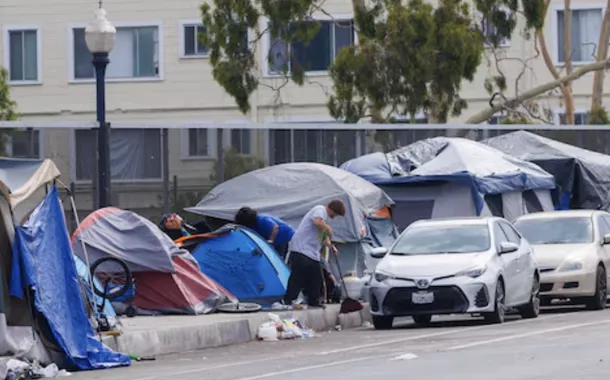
[(509, 265), (525, 263)]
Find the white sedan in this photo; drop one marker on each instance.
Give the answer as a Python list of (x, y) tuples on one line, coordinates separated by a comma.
[(480, 266), (572, 249)]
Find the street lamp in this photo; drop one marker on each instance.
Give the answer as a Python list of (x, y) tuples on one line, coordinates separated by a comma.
[(100, 37)]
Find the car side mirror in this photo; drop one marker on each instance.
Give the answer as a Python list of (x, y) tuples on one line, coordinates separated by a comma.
[(508, 247), (378, 252), (606, 239)]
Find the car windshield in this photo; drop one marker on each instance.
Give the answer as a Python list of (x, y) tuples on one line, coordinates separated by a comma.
[(576, 230), (430, 240)]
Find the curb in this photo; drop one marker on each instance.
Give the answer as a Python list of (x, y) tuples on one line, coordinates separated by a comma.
[(176, 340)]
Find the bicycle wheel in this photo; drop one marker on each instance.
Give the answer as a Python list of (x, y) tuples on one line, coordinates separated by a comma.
[(115, 279)]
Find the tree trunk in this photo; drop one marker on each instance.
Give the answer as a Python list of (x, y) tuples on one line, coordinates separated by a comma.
[(536, 91), (569, 101), (567, 95), (602, 54)]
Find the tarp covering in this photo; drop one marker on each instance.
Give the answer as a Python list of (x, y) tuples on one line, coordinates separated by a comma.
[(187, 291), (453, 160), (289, 191), (42, 261), (244, 264), (128, 236), (582, 174), (22, 177)]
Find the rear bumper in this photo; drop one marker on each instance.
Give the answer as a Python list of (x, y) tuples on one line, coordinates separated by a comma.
[(567, 284)]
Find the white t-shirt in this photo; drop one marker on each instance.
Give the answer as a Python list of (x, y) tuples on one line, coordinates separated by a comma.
[(307, 238)]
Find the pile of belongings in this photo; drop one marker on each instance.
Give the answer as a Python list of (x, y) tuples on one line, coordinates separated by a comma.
[(14, 369), (281, 329)]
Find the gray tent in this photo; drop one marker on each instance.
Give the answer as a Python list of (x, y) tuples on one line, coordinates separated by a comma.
[(289, 191)]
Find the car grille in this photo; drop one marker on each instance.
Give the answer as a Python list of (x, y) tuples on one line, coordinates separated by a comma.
[(447, 299), (546, 287), (482, 298)]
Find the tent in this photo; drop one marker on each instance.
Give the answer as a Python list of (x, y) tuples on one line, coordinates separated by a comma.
[(28, 327), (289, 191), (167, 279), (242, 262), (583, 176), (450, 177)]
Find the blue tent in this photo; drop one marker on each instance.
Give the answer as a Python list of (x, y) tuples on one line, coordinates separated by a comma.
[(441, 169), (244, 264), (42, 265)]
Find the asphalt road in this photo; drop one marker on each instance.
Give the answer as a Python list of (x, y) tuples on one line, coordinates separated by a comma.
[(560, 344)]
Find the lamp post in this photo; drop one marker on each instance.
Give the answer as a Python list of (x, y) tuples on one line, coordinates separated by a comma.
[(100, 37)]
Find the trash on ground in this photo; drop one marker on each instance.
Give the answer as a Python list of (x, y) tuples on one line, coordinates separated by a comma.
[(282, 329), (280, 306), (15, 369)]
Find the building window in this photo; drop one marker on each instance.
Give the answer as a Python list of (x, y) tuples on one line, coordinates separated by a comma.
[(321, 146), (199, 142), (586, 24), (318, 55), (23, 60), (135, 54), (241, 141), (496, 120), (135, 154), (24, 143), (191, 45), (490, 31), (580, 118)]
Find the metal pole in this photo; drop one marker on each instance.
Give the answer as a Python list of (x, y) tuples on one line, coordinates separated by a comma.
[(100, 61), (175, 190), (220, 172), (166, 207)]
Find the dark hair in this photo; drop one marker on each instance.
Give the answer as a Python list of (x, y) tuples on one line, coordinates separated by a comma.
[(246, 217), (337, 206)]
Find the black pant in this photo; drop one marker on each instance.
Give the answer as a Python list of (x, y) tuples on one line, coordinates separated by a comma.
[(282, 250), (305, 276)]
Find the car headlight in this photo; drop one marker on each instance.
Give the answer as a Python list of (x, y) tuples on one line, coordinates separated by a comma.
[(472, 272), (570, 266), (382, 276)]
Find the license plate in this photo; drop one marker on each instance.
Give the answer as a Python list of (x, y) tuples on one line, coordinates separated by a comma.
[(422, 298)]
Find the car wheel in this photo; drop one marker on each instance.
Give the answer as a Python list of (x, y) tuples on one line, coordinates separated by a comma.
[(383, 323), (532, 308), (598, 301), (497, 316), (422, 319)]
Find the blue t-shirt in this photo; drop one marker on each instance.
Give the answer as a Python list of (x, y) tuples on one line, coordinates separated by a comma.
[(265, 224)]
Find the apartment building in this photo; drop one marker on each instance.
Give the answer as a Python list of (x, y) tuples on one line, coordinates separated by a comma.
[(159, 72)]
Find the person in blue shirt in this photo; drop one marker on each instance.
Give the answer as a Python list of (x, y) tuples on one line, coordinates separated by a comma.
[(277, 232)]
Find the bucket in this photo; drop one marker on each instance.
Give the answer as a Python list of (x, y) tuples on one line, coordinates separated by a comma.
[(354, 286)]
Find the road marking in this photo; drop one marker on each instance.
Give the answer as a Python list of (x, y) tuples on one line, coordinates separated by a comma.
[(404, 357), (432, 335), (309, 368), (525, 335)]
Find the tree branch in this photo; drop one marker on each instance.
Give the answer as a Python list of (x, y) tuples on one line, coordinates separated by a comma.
[(536, 91)]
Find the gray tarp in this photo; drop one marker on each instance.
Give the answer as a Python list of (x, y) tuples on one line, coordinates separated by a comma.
[(128, 236), (582, 173), (289, 191)]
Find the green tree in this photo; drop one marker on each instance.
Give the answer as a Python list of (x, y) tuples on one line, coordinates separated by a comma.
[(7, 107), (410, 58), (235, 164)]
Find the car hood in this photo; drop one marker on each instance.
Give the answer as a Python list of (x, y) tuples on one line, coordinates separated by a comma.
[(431, 265), (552, 255)]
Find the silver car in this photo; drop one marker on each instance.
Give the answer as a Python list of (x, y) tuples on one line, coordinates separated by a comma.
[(467, 265)]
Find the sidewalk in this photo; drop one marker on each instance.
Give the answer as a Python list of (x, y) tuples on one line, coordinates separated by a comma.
[(146, 336)]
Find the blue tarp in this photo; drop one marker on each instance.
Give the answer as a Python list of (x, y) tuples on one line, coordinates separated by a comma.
[(244, 264), (42, 260), (458, 160)]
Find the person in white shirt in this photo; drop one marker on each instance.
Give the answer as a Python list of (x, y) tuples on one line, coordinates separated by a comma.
[(305, 249)]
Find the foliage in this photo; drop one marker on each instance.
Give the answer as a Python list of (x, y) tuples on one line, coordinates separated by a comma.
[(410, 56), (516, 119), (599, 115), (236, 164), (7, 107)]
